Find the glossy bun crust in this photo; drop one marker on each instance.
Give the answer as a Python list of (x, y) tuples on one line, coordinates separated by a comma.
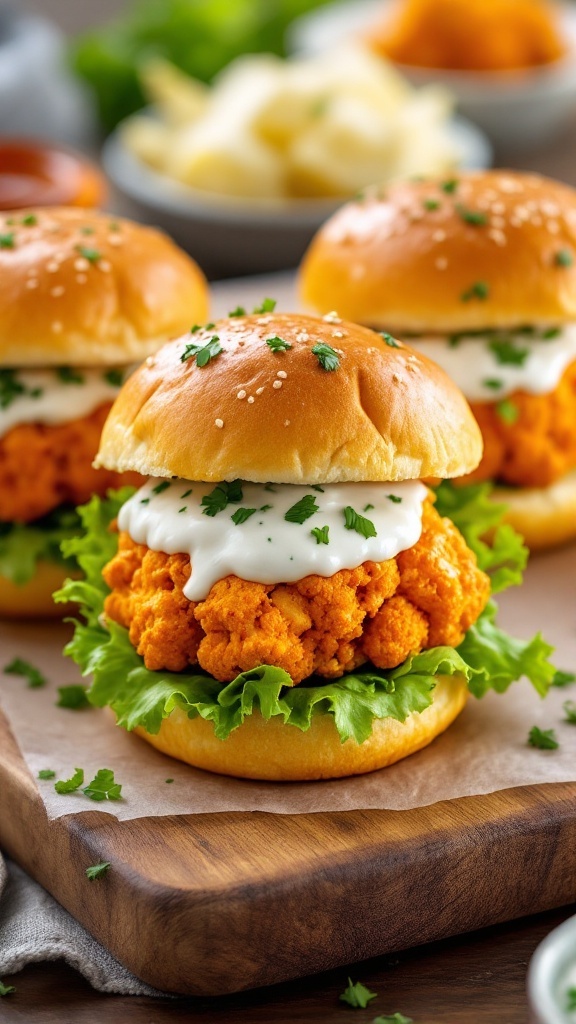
[(88, 289), (33, 600), (385, 413), (546, 516), (271, 750), (482, 250)]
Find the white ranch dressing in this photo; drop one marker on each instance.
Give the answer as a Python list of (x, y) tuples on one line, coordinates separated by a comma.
[(48, 398), (266, 548), (483, 377)]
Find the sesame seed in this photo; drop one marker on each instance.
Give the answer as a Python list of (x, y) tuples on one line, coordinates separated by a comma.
[(439, 236), (57, 291), (32, 282), (56, 327), (282, 374), (81, 278), (115, 240), (286, 423), (251, 399), (397, 378), (150, 361), (332, 317), (441, 263), (105, 266), (277, 384), (241, 394), (303, 336), (219, 423), (259, 391), (52, 267), (81, 264), (498, 208), (31, 272), (337, 334), (497, 236), (553, 227)]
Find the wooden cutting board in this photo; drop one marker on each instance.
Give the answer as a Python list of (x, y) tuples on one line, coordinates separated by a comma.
[(211, 904)]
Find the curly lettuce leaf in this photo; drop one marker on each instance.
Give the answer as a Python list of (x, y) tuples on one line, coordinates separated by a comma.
[(500, 550), (488, 658), (22, 545)]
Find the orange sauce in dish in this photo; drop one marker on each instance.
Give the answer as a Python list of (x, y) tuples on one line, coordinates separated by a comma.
[(34, 174)]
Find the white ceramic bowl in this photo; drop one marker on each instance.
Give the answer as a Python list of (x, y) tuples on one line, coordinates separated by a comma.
[(552, 972), (229, 237), (515, 109)]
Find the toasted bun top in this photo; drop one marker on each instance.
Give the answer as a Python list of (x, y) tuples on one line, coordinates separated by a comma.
[(385, 413), (491, 249), (87, 288)]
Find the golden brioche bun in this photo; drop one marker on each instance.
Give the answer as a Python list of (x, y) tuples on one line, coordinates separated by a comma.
[(546, 516), (406, 257), (33, 600), (86, 288), (385, 413), (273, 751)]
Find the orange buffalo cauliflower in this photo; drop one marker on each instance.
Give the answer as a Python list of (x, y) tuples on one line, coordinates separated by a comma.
[(382, 611), (43, 466), (529, 440)]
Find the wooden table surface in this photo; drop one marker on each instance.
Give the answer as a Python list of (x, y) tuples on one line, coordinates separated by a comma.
[(474, 979)]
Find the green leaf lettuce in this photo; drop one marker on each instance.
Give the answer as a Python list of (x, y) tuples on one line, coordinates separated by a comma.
[(23, 545)]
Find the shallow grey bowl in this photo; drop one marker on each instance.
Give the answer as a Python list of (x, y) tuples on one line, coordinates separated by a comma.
[(552, 972), (229, 237)]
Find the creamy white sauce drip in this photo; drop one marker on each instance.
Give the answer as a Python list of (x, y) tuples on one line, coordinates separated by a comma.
[(50, 398), (266, 548), (481, 374)]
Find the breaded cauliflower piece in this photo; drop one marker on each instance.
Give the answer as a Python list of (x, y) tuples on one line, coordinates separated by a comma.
[(43, 466), (539, 446), (381, 611)]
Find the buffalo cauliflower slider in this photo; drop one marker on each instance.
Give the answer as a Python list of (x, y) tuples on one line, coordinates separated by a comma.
[(281, 600), (479, 272), (83, 296)]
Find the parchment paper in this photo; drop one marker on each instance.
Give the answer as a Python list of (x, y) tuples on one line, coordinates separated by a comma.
[(484, 751)]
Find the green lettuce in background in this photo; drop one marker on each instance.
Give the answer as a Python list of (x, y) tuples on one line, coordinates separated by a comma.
[(488, 657), (198, 36), (22, 545)]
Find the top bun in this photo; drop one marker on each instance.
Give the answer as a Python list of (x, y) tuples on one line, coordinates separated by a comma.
[(90, 289), (491, 249), (385, 413)]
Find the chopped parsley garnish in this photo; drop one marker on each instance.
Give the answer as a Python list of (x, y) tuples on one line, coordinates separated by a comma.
[(103, 786), (266, 306), (316, 487), (278, 344), (222, 495), (46, 773), (86, 231), (302, 510), (389, 339), (202, 353), (563, 678), (454, 340), (394, 1018), (195, 328), (507, 411), (73, 697), (144, 501), (354, 521), (265, 508), (30, 220), (506, 352), (92, 255), (97, 870), (168, 780), (569, 708), (270, 487), (394, 498), (19, 667), (551, 332), (476, 217), (431, 204), (493, 383), (6, 990), (187, 493), (183, 509), (478, 290), (68, 375), (571, 999), (357, 995), (7, 241), (113, 226), (72, 784), (10, 387), (239, 311), (114, 377), (368, 508), (321, 534), (563, 258), (544, 739), (449, 186), (241, 515), (326, 356), (162, 486)]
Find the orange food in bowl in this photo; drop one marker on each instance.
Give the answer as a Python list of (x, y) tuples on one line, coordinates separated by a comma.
[(36, 174), (471, 35)]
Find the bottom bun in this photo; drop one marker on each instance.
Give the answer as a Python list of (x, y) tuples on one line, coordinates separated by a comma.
[(276, 752), (545, 516), (33, 600)]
